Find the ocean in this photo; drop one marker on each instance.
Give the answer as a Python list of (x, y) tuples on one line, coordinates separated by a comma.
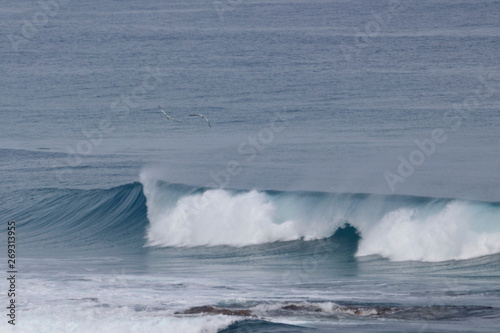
[(344, 178)]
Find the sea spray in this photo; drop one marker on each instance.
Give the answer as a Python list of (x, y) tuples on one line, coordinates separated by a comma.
[(397, 227)]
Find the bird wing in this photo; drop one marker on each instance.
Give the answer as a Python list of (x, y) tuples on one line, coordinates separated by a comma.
[(166, 115), (202, 116), (207, 121)]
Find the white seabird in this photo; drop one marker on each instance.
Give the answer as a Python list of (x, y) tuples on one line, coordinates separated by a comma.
[(166, 115), (202, 116)]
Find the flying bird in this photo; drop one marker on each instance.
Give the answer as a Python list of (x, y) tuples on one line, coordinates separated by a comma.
[(202, 116), (166, 115)]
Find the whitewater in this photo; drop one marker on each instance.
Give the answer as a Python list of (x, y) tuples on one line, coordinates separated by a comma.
[(292, 261), (396, 227)]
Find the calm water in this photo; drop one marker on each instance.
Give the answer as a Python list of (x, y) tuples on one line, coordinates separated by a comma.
[(349, 181)]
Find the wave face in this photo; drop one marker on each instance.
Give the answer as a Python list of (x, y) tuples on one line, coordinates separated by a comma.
[(89, 220), (400, 228)]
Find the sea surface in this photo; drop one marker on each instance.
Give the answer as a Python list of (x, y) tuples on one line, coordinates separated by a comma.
[(348, 181)]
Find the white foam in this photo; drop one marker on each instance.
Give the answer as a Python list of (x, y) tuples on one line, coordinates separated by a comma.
[(358, 311), (221, 217), (458, 231), (432, 231), (218, 217), (59, 319), (307, 306)]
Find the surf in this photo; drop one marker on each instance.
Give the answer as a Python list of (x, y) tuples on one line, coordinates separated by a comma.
[(400, 228), (153, 213)]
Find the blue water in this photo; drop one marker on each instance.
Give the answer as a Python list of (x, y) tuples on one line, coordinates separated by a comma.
[(349, 181)]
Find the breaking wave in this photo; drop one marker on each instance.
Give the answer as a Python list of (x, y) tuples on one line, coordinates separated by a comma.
[(161, 214), (400, 228)]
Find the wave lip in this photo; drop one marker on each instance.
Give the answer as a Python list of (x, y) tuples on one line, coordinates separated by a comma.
[(458, 230), (401, 228), (220, 217)]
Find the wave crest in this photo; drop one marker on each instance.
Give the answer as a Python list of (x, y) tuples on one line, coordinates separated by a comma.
[(396, 227), (220, 217)]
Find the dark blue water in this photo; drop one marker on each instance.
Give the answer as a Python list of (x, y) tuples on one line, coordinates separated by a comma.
[(348, 182)]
